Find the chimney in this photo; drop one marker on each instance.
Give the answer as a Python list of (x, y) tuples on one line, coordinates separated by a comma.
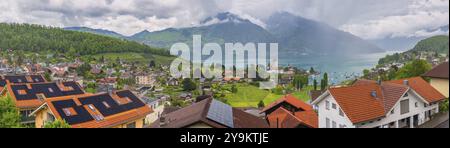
[(406, 82)]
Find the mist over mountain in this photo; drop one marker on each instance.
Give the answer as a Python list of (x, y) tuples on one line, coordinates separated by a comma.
[(293, 33), (298, 34), (225, 27)]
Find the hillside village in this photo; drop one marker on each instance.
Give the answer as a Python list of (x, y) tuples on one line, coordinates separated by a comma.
[(101, 94)]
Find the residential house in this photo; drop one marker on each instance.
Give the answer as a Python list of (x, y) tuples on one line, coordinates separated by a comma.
[(28, 97), (120, 109), (157, 105), (144, 79), (369, 104), (439, 78), (290, 112), (211, 113), (35, 69)]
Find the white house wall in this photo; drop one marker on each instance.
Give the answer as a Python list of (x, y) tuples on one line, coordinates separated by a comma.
[(332, 114)]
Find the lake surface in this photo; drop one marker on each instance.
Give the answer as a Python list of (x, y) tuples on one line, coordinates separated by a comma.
[(338, 68)]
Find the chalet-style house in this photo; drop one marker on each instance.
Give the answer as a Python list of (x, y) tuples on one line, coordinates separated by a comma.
[(370, 104), (439, 78), (211, 113), (289, 112), (120, 109)]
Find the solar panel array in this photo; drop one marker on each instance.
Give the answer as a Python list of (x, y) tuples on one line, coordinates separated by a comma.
[(23, 79), (111, 107), (221, 113), (49, 90)]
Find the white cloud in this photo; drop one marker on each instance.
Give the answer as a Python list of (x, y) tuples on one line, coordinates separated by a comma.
[(422, 19), (366, 18)]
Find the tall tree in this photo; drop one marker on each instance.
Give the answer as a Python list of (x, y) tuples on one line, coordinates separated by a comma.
[(189, 85)]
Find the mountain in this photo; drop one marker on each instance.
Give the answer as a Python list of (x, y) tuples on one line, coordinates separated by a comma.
[(222, 28), (436, 43), (37, 38), (96, 31), (297, 34), (294, 34)]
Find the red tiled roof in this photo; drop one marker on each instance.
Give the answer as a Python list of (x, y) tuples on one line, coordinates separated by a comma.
[(357, 102), (282, 118), (440, 71), (359, 105), (423, 88), (290, 99)]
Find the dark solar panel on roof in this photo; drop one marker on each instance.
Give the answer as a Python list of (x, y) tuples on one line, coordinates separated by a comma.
[(221, 113), (104, 103), (82, 115), (114, 107), (49, 90), (23, 79)]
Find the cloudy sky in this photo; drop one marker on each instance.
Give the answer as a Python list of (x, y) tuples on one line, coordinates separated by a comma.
[(369, 19)]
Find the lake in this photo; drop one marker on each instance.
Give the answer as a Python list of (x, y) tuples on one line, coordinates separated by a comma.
[(338, 68)]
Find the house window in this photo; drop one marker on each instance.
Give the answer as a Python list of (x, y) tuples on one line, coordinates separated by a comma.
[(334, 106), (328, 123), (131, 125), (341, 113), (417, 104), (404, 107), (334, 125), (327, 105), (393, 111), (425, 105), (406, 95)]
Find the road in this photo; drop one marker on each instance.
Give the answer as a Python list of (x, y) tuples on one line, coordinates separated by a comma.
[(443, 125)]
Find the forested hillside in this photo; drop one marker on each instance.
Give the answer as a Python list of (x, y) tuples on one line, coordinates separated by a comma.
[(36, 38), (437, 43)]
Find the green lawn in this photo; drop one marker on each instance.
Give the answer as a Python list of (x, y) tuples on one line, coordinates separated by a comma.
[(249, 96)]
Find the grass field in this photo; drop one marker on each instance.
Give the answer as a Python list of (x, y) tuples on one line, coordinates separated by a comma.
[(250, 96)]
